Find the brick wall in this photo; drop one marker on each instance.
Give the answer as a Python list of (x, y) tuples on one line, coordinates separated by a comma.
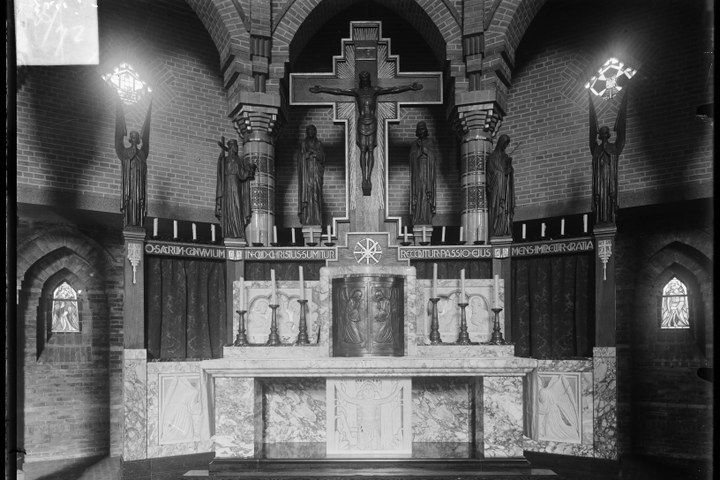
[(70, 387)]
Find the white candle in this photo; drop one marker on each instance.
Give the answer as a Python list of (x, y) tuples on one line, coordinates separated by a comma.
[(212, 232), (302, 284), (442, 236), (462, 286), (242, 293), (542, 230), (524, 231), (273, 299), (258, 234), (562, 226), (311, 236), (423, 230), (585, 223), (434, 281), (174, 228), (461, 234), (274, 233), (292, 231), (194, 230), (497, 291), (155, 227), (405, 233), (477, 232), (329, 232)]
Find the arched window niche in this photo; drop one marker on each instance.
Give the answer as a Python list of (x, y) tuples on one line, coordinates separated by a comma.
[(680, 312), (675, 305), (65, 314)]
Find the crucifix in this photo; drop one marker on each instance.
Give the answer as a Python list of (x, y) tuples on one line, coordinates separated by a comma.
[(366, 90)]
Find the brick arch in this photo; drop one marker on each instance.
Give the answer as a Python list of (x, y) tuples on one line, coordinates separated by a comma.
[(438, 21), (37, 251)]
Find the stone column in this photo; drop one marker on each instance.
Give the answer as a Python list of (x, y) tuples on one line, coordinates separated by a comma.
[(258, 124), (476, 118)]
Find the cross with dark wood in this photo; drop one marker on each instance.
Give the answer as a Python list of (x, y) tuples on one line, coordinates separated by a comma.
[(366, 90)]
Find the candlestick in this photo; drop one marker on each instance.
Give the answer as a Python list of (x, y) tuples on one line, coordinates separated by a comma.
[(241, 338), (292, 231), (497, 337), (562, 226), (212, 232), (434, 281), (463, 336), (302, 285), (174, 228), (434, 323), (274, 233), (302, 338), (405, 234), (273, 338), (155, 227), (442, 235), (273, 299), (585, 220), (496, 301), (194, 230), (461, 234), (462, 285), (524, 231)]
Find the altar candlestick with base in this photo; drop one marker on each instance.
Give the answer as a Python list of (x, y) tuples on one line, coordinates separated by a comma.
[(302, 338), (274, 338), (463, 336), (434, 323), (241, 339)]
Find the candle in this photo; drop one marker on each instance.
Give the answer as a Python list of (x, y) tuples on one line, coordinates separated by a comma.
[(585, 223), (212, 232), (542, 230), (311, 236), (155, 227), (302, 284), (258, 234), (497, 291), (329, 232), (273, 299), (405, 233), (461, 234), (562, 226), (434, 281), (292, 231), (524, 231), (194, 230), (423, 230), (242, 293), (462, 286), (174, 228), (442, 236), (274, 233)]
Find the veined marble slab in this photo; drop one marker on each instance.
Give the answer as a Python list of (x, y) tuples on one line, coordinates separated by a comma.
[(605, 402), (134, 401), (502, 417), (294, 410), (369, 367), (369, 417), (442, 409)]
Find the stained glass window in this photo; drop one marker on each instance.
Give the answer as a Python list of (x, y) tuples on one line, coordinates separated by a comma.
[(127, 82), (65, 317), (675, 305)]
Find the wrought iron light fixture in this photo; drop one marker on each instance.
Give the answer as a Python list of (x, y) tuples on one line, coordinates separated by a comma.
[(610, 79), (127, 82)]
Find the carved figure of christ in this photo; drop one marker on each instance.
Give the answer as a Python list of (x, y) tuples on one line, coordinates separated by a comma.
[(366, 99)]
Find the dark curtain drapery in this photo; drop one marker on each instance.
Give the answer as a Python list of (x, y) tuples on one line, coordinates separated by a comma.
[(185, 308), (553, 306)]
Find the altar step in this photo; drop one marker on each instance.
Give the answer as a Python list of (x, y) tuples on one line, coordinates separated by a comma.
[(382, 469)]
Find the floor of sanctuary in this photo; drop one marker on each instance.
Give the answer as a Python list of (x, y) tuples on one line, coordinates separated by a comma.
[(195, 467)]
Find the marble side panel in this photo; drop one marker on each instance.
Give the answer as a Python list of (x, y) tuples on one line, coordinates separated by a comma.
[(502, 417), (580, 365), (559, 407), (478, 313), (605, 402), (177, 403), (294, 410), (324, 298), (135, 406), (588, 414), (442, 410), (234, 417), (369, 417), (259, 314)]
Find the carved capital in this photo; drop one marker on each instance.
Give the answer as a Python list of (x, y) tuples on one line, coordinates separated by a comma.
[(477, 120), (255, 122)]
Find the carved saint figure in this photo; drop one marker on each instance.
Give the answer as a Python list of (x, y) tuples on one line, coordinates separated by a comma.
[(605, 157), (311, 168), (366, 98), (133, 161), (557, 410), (353, 309), (232, 192), (422, 177), (181, 411), (500, 177), (369, 404), (383, 317)]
